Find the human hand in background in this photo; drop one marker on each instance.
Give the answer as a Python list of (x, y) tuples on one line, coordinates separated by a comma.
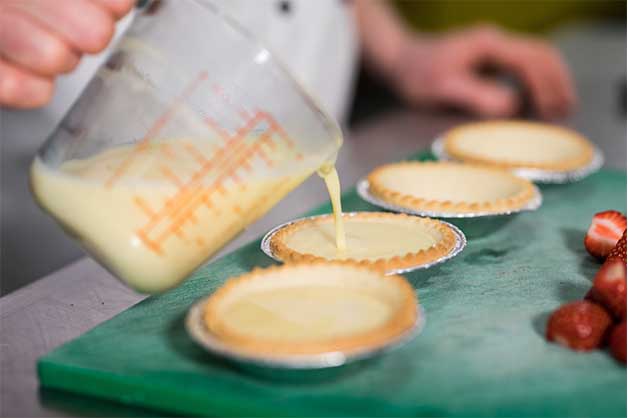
[(437, 70), (41, 39), (443, 70)]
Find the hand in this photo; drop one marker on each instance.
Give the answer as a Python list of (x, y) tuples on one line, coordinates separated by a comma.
[(41, 39), (443, 71)]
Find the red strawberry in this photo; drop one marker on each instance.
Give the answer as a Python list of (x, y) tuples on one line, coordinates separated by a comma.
[(618, 342), (609, 287), (579, 325), (605, 230), (619, 250)]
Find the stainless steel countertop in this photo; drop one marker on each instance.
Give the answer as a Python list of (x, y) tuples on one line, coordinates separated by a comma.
[(63, 305)]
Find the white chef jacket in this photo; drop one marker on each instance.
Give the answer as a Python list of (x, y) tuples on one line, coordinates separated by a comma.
[(315, 39)]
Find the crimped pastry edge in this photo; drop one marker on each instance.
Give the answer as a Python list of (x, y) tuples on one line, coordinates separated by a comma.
[(451, 136), (401, 322), (405, 200), (410, 259)]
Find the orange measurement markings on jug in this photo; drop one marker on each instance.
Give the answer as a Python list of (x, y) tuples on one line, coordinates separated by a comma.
[(222, 133), (228, 101), (276, 127), (235, 155), (171, 176), (144, 207), (184, 216), (224, 164), (269, 163), (167, 151), (156, 128), (195, 153)]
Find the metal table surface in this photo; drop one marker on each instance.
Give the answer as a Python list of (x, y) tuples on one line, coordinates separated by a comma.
[(63, 305)]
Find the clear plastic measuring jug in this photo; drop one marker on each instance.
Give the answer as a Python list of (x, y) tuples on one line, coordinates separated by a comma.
[(188, 133)]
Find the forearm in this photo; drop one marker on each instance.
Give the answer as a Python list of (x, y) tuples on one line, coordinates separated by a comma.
[(382, 35)]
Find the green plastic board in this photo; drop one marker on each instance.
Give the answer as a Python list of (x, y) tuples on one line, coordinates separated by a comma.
[(481, 353)]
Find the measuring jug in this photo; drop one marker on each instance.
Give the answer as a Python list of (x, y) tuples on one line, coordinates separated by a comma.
[(189, 132)]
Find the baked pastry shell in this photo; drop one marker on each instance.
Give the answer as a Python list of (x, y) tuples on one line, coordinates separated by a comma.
[(537, 175), (281, 367), (584, 159), (528, 193), (407, 322), (398, 265), (364, 191)]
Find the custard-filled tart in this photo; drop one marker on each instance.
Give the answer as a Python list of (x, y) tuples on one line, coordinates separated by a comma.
[(386, 241), (450, 188), (311, 308), (519, 144)]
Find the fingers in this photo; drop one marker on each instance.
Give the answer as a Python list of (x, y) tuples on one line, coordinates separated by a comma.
[(479, 96), (21, 89), (540, 68), (32, 47), (543, 93), (40, 39), (558, 74), (445, 72), (83, 24)]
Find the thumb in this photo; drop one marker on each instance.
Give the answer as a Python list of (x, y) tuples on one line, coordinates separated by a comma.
[(479, 96)]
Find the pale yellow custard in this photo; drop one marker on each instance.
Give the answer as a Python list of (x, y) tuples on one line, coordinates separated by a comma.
[(515, 144), (310, 308), (153, 214), (518, 145), (366, 239), (330, 176), (449, 183), (294, 313), (383, 240), (451, 188)]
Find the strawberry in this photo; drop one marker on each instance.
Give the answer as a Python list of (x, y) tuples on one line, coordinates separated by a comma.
[(580, 325), (609, 287), (605, 230), (617, 342), (619, 250)]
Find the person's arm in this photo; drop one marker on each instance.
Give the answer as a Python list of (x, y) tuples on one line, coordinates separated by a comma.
[(41, 39), (442, 69)]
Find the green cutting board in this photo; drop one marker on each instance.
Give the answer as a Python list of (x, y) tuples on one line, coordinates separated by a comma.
[(481, 353)]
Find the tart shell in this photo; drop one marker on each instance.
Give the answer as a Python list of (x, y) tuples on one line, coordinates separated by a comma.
[(451, 137), (410, 259), (414, 202), (402, 321)]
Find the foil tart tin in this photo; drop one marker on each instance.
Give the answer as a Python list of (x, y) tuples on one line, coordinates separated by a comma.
[(300, 366), (538, 175), (474, 224), (461, 242)]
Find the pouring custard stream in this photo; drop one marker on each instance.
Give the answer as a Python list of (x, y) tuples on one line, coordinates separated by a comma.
[(157, 223), (329, 174)]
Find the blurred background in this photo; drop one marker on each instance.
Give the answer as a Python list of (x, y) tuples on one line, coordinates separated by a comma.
[(591, 35), (571, 24)]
